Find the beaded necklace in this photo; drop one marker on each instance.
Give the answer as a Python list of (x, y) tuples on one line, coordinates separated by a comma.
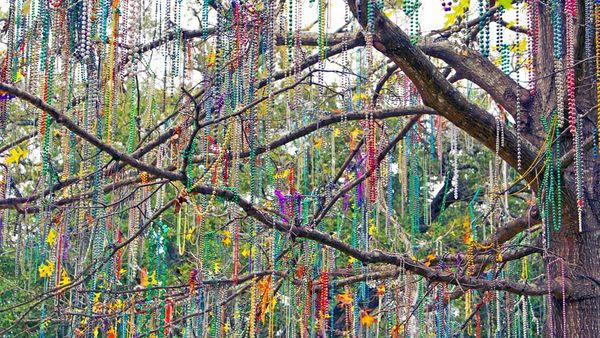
[(597, 43), (484, 29)]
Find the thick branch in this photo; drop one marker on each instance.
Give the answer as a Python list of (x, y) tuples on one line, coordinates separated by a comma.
[(440, 94), (481, 71), (377, 115), (65, 121), (375, 256)]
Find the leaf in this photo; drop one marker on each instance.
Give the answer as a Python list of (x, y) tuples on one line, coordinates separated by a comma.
[(118, 304), (366, 319), (318, 142), (396, 330), (264, 285), (372, 228), (507, 4), (144, 277), (361, 96), (152, 278), (65, 280), (111, 333), (282, 174), (467, 226), (211, 59), (457, 11), (16, 154), (381, 290), (450, 18), (226, 237), (245, 253), (46, 269), (519, 47), (189, 233), (430, 258), (51, 237), (25, 7), (345, 298), (19, 76)]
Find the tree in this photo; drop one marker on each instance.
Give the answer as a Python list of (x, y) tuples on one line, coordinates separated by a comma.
[(248, 177)]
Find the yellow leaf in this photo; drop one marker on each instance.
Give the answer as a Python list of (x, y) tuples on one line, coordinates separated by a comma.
[(372, 230), (336, 132), (457, 11), (354, 133), (26, 6), (245, 252), (519, 47), (65, 280), (263, 284), (430, 258), (366, 319), (262, 109), (217, 267), (19, 76), (152, 279), (361, 96), (318, 142), (211, 59), (283, 174), (226, 237), (189, 233), (396, 330), (507, 4), (380, 290), (345, 298), (16, 154), (51, 237), (46, 269), (226, 327), (144, 277), (117, 304)]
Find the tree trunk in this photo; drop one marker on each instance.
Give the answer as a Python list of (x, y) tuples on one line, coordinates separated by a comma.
[(580, 251)]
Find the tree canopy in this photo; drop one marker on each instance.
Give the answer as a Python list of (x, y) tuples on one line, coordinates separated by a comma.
[(320, 168)]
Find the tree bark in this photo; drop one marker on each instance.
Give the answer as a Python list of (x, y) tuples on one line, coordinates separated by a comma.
[(579, 250)]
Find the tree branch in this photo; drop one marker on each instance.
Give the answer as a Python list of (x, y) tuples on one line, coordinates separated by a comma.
[(440, 94), (65, 121)]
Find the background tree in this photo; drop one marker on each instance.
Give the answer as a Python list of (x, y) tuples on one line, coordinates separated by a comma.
[(251, 169)]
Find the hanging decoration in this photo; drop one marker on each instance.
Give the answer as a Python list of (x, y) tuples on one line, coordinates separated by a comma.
[(232, 169)]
